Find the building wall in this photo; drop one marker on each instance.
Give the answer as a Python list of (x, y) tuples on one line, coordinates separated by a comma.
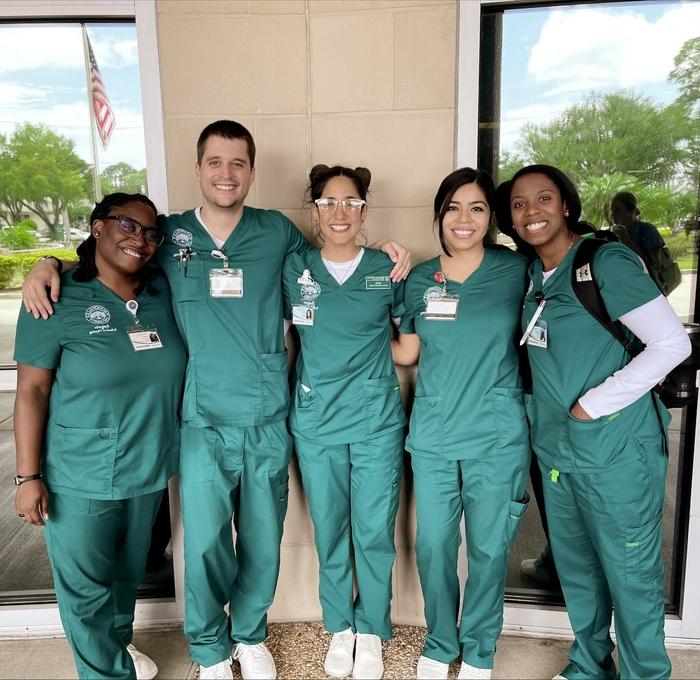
[(355, 82)]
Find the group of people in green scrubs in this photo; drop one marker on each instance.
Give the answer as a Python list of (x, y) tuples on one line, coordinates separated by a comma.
[(235, 274), (97, 432)]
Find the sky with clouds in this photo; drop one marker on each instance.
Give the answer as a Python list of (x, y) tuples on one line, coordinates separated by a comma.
[(42, 79), (553, 58)]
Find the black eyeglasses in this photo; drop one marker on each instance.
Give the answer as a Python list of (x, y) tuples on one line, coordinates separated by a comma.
[(151, 235)]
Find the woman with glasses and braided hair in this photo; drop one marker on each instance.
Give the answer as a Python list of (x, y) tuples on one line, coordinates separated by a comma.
[(346, 416), (96, 428)]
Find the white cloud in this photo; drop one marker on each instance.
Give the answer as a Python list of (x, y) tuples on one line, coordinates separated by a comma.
[(14, 95), (596, 48), (24, 48), (72, 121), (513, 120)]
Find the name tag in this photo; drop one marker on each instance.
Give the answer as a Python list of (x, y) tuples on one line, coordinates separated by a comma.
[(145, 338), (538, 335), (226, 282), (441, 308), (377, 283), (302, 315)]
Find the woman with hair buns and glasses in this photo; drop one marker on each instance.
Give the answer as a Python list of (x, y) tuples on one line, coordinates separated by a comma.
[(346, 416), (96, 426), (468, 434), (598, 430)]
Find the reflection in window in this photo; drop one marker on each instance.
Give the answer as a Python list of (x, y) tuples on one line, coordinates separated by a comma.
[(609, 93)]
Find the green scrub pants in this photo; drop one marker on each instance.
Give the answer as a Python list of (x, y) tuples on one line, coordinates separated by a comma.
[(98, 554), (490, 491), (353, 492), (606, 530), (225, 472)]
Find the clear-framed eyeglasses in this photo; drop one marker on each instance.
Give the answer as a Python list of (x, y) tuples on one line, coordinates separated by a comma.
[(349, 205)]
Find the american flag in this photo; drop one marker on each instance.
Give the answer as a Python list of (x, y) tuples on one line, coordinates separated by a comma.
[(104, 115)]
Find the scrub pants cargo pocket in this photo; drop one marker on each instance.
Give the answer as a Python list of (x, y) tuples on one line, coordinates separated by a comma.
[(303, 416), (198, 453), (274, 388), (383, 409), (280, 483), (642, 548), (92, 451), (516, 510)]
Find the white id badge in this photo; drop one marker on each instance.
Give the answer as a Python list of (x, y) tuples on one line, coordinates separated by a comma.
[(144, 338), (302, 315), (442, 308), (226, 282), (538, 335)]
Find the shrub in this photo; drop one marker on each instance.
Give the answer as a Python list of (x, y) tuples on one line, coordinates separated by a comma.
[(14, 268), (19, 237), (680, 245)]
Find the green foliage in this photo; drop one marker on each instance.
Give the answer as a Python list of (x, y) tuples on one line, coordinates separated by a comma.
[(19, 237), (621, 133), (686, 72), (40, 170), (14, 268), (123, 177), (680, 245)]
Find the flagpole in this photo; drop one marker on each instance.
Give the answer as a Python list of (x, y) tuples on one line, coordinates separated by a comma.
[(93, 124)]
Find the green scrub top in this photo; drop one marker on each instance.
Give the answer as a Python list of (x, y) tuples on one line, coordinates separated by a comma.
[(469, 398), (112, 430), (345, 355), (237, 365), (581, 354)]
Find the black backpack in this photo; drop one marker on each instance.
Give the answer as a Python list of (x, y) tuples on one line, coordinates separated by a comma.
[(678, 388)]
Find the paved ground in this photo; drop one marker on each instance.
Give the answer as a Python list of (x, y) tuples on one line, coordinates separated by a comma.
[(299, 650)]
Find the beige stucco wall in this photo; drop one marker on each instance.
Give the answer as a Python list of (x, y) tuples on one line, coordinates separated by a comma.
[(356, 82)]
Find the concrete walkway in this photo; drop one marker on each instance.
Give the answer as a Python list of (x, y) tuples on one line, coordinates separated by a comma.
[(299, 649)]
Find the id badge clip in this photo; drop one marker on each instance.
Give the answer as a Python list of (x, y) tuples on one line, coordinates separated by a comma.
[(536, 333), (443, 308), (141, 337), (225, 282)]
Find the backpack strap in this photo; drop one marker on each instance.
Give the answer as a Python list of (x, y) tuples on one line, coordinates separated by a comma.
[(586, 289)]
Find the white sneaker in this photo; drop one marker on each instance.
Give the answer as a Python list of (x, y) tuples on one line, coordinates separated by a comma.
[(219, 671), (256, 661), (368, 657), (558, 676), (144, 666), (338, 663), (429, 669), (467, 672)]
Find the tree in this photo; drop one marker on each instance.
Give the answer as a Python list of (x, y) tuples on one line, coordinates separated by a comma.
[(123, 177), (40, 170), (11, 205), (686, 72), (615, 133)]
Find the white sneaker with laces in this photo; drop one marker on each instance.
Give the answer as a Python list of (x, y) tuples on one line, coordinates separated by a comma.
[(256, 661), (368, 657), (144, 666), (219, 671), (467, 672), (338, 663), (429, 669)]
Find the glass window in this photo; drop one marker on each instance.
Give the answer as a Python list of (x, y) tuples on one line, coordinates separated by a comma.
[(54, 161), (610, 93)]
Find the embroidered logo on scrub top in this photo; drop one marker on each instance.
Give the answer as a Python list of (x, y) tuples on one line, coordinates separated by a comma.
[(433, 293), (182, 238), (99, 317)]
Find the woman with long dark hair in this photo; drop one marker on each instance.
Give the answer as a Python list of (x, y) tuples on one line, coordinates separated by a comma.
[(468, 434)]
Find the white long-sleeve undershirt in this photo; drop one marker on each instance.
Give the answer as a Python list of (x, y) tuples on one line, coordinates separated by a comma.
[(667, 344)]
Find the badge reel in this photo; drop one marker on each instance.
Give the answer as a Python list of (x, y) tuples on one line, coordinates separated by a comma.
[(225, 282), (535, 334), (303, 314), (142, 337)]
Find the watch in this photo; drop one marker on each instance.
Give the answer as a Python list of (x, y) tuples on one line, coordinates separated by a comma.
[(19, 479), (59, 264)]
